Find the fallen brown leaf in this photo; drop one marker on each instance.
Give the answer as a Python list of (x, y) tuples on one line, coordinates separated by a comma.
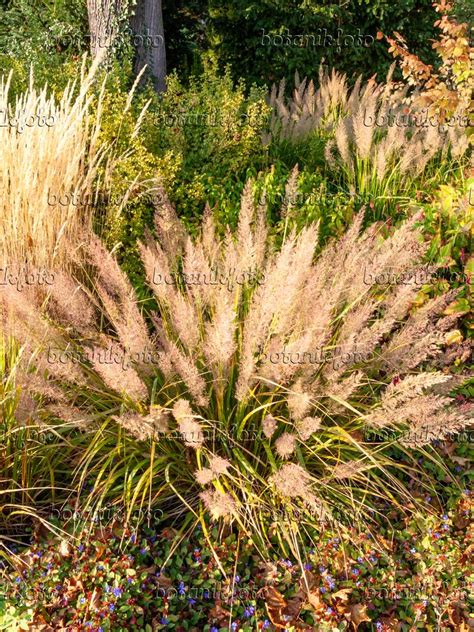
[(358, 614)]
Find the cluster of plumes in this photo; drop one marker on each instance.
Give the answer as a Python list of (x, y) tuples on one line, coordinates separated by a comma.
[(292, 481), (59, 150), (190, 428), (257, 339), (377, 127), (217, 466), (146, 427), (309, 108), (219, 504), (369, 122), (414, 398)]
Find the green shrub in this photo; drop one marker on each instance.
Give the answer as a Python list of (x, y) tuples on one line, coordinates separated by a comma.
[(41, 36), (236, 32)]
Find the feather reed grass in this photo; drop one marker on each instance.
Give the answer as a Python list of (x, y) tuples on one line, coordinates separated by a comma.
[(53, 163)]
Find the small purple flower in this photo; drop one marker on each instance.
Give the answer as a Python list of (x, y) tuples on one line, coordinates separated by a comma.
[(80, 548), (378, 626), (360, 559), (355, 571), (133, 538), (82, 600), (164, 621), (308, 567), (266, 624), (237, 579), (322, 589), (117, 592), (191, 601), (249, 612), (181, 588), (214, 629), (329, 611), (112, 607), (234, 626)]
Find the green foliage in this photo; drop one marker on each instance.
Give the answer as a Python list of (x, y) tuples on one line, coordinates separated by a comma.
[(199, 142), (315, 199), (232, 32), (47, 33), (212, 130), (45, 36), (417, 570)]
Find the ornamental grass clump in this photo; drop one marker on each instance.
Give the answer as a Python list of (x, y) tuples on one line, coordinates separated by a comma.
[(55, 166), (255, 391), (377, 139)]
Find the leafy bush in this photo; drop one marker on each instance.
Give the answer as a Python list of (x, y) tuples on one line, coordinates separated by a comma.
[(213, 131), (268, 41), (45, 36), (199, 142), (212, 392), (447, 90)]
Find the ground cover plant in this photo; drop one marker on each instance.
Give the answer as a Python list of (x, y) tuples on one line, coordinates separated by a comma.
[(235, 322), (115, 579)]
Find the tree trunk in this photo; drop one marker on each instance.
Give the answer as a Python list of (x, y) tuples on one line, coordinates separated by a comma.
[(104, 16), (149, 41)]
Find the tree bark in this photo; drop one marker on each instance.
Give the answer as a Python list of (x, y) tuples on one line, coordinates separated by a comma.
[(149, 41), (103, 24)]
